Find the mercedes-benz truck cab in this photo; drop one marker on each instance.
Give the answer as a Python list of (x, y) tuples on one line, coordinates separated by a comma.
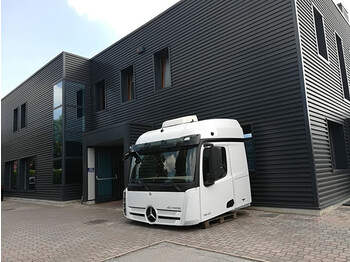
[(187, 172)]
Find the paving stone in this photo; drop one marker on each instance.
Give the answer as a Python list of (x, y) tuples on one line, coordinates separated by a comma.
[(72, 232)]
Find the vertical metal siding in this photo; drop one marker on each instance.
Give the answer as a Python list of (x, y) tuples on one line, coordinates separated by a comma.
[(325, 94), (228, 59)]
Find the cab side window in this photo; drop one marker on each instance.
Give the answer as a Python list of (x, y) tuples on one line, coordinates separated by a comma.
[(206, 162)]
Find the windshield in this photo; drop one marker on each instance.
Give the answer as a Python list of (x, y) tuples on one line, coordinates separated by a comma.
[(172, 165)]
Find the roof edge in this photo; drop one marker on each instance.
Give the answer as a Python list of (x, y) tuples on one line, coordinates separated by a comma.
[(36, 72), (139, 28)]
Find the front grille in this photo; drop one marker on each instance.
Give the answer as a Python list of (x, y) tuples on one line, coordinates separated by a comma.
[(136, 214), (171, 218)]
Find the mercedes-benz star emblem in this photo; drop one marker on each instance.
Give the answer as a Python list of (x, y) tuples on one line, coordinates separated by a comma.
[(151, 214)]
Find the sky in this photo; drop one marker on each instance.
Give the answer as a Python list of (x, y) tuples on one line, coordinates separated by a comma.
[(35, 31)]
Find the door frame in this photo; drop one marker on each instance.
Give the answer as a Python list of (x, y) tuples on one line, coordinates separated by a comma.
[(117, 168)]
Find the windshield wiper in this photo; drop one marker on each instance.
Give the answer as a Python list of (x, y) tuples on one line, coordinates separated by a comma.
[(140, 182), (174, 185)]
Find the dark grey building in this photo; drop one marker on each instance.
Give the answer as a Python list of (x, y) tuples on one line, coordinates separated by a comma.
[(42, 121), (279, 67)]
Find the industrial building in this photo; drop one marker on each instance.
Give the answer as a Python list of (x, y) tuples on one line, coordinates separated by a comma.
[(280, 67)]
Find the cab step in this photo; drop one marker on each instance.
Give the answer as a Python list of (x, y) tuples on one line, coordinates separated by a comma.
[(220, 219)]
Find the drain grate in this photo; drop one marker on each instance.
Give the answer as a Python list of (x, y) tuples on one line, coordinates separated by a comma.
[(269, 215), (96, 222)]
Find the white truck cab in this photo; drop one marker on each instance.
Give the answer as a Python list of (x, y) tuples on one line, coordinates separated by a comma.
[(187, 172)]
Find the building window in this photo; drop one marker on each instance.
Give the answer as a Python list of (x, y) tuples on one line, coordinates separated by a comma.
[(57, 132), (162, 70), (12, 174), (23, 115), (337, 145), (15, 119), (320, 34), (57, 171), (100, 96), (80, 103), (74, 171), (28, 173), (68, 126), (249, 147), (57, 94), (342, 67), (127, 84)]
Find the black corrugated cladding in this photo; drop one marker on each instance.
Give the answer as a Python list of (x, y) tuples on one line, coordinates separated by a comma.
[(36, 138), (229, 59), (325, 96)]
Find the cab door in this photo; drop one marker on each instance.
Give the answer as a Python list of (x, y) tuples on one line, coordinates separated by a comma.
[(217, 198)]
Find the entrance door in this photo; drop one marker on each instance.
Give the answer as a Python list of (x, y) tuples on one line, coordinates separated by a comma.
[(107, 174)]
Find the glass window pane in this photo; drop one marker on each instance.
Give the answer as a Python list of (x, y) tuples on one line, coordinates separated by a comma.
[(73, 144), (57, 145), (57, 120), (320, 34), (162, 69), (100, 99), (23, 115), (72, 90), (80, 98), (80, 112), (342, 66), (15, 119), (74, 171), (13, 175), (57, 172), (72, 122), (127, 82), (57, 95), (30, 173), (338, 145), (167, 78)]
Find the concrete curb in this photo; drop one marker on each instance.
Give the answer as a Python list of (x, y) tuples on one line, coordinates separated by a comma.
[(185, 245), (42, 201)]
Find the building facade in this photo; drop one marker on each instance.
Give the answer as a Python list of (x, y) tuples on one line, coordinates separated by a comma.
[(279, 67), (42, 126)]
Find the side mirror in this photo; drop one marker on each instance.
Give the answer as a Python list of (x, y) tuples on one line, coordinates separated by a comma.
[(216, 169), (126, 155)]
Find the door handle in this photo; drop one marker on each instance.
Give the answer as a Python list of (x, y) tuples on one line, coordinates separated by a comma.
[(107, 178)]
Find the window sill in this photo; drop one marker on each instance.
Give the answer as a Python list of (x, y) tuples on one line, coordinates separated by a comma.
[(128, 102), (100, 111), (340, 171), (323, 59), (162, 89)]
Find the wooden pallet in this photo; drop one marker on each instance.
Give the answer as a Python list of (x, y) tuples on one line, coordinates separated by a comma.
[(220, 219)]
